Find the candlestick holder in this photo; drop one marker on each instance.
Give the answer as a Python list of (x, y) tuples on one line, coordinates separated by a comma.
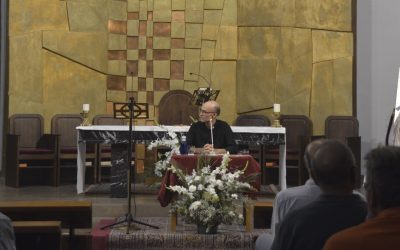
[(276, 123), (85, 116)]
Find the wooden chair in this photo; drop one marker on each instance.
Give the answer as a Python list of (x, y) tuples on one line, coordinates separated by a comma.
[(31, 155), (346, 130), (103, 151), (37, 234), (175, 108), (252, 120), (255, 151), (64, 126), (298, 135)]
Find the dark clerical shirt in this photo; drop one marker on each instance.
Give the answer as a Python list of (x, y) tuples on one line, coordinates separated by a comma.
[(199, 135)]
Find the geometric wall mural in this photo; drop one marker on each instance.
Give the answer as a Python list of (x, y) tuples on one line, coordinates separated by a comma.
[(298, 53), (161, 42)]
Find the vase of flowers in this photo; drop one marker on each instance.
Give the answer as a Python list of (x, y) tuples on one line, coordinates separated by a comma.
[(207, 196)]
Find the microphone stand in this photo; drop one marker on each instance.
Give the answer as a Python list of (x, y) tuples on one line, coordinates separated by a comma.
[(131, 174), (207, 81), (212, 137)]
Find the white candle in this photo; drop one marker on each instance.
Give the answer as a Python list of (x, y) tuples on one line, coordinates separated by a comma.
[(86, 107), (277, 108)]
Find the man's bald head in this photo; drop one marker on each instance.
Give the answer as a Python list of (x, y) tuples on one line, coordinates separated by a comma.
[(212, 105)]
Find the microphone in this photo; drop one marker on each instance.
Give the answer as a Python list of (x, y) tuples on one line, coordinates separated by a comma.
[(205, 79)]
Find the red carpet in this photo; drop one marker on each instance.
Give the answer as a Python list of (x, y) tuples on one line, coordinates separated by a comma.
[(100, 237)]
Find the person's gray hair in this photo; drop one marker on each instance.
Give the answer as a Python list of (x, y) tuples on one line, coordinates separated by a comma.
[(383, 174)]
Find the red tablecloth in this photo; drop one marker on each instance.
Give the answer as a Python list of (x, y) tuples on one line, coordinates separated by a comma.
[(189, 162)]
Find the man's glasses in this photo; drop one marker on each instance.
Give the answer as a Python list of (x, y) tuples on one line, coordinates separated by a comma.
[(202, 111)]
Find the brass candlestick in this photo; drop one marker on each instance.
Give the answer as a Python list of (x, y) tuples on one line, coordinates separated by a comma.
[(276, 122), (85, 116)]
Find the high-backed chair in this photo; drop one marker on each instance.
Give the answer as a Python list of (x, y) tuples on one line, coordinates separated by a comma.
[(103, 151), (346, 130), (175, 108), (253, 120), (64, 126), (30, 154), (298, 135)]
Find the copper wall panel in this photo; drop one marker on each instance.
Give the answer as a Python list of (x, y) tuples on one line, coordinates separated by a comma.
[(149, 68), (142, 54), (149, 42), (132, 42), (177, 71), (132, 68), (142, 28), (142, 84), (161, 84), (150, 97), (162, 29), (178, 16), (117, 27), (116, 82), (117, 55), (177, 43), (133, 15), (161, 54)]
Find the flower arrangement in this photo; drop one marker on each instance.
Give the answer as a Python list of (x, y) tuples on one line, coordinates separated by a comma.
[(206, 197), (170, 140)]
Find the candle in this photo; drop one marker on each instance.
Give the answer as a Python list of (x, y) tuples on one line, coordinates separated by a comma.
[(277, 108), (85, 107)]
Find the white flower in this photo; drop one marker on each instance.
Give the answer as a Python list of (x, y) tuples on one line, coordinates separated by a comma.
[(171, 141), (225, 160), (220, 184), (192, 188), (195, 205), (234, 196)]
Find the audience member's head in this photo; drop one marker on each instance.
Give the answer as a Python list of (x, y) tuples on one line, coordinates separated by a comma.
[(332, 166), (383, 178)]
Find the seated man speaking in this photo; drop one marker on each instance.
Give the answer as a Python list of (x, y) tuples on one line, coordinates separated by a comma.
[(199, 134)]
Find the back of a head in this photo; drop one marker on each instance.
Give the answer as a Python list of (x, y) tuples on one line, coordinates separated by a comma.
[(333, 166), (383, 176)]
